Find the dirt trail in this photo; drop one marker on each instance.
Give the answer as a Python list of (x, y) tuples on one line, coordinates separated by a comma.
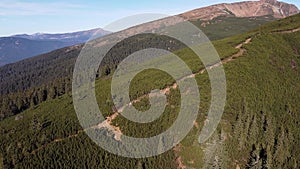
[(180, 163), (174, 86), (55, 141), (179, 159), (107, 124), (287, 31), (116, 130), (228, 59)]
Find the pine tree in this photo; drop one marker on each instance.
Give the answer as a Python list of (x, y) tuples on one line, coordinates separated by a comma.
[(253, 130), (280, 149)]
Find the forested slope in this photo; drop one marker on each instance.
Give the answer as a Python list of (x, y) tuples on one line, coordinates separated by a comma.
[(259, 128), (29, 82)]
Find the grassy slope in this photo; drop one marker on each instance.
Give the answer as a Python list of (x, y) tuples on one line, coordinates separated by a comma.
[(223, 27), (263, 80)]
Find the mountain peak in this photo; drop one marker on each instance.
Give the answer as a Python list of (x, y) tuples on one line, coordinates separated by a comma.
[(273, 8)]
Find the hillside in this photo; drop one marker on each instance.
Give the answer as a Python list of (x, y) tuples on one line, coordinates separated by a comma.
[(226, 26), (23, 81), (259, 128), (218, 28)]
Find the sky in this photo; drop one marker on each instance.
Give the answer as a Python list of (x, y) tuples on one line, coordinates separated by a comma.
[(57, 16)]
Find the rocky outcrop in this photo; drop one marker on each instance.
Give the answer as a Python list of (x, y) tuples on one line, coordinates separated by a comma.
[(244, 9)]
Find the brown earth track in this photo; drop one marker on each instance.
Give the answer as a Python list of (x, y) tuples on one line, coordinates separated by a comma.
[(116, 130)]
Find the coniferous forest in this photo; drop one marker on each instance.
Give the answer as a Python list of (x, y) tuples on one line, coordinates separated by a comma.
[(259, 128)]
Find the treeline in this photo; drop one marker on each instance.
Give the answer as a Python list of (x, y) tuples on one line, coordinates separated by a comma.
[(15, 103), (43, 69)]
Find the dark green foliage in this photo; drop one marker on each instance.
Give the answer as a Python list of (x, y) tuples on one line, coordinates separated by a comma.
[(52, 72), (53, 138), (259, 128), (14, 103), (223, 27), (264, 102)]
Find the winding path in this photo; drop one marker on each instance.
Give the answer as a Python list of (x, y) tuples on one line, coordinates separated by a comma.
[(116, 130)]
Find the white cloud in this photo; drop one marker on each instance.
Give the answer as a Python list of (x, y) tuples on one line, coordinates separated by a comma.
[(18, 8)]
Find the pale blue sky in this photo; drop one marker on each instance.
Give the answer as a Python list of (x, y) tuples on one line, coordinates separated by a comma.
[(53, 16)]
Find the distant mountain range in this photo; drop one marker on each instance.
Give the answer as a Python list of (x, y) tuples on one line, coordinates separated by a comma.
[(217, 21), (74, 37), (18, 47)]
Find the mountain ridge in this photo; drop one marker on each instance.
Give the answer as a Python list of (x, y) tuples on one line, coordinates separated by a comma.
[(78, 36), (22, 46), (243, 9)]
